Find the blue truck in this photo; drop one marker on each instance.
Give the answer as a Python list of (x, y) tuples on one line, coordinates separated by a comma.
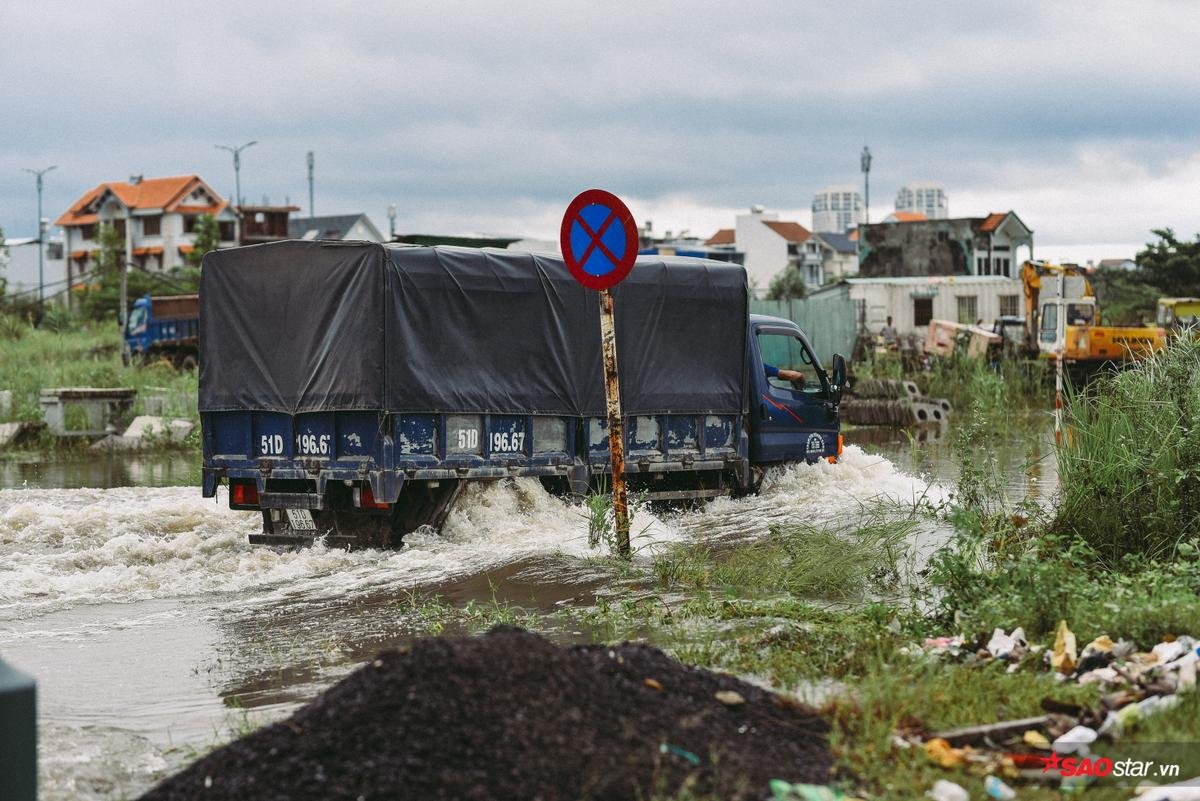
[(351, 390), (163, 327)]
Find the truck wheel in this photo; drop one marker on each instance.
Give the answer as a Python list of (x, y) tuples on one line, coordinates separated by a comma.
[(187, 363)]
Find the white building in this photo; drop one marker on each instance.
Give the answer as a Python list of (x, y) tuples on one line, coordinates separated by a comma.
[(22, 269), (912, 301), (155, 216), (924, 197), (839, 256), (837, 209), (769, 245), (348, 227)]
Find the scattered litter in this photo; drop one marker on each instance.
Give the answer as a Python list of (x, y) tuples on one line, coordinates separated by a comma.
[(943, 790), (653, 684), (1063, 658), (1035, 739), (1136, 684), (998, 789), (1183, 791), (783, 791), (730, 697), (667, 748), (1076, 741), (941, 752)]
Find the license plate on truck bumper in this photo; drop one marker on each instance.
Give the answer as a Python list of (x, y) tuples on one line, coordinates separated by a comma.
[(300, 520)]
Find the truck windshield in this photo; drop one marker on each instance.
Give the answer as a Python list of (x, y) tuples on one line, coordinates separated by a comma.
[(788, 352), (137, 320)]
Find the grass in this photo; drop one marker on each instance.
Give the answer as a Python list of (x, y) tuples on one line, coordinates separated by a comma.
[(1130, 463), (66, 353), (966, 381)]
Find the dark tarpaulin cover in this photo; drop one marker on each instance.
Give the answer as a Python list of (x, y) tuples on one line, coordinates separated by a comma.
[(311, 326)]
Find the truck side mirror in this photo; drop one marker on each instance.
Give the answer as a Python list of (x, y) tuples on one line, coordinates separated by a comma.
[(839, 376)]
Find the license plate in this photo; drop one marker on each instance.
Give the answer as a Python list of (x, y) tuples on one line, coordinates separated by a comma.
[(301, 520)]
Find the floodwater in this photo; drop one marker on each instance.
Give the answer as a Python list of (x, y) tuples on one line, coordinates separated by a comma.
[(155, 631)]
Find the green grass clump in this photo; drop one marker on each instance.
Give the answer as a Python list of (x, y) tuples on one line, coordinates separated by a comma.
[(66, 352), (1129, 464), (808, 561)]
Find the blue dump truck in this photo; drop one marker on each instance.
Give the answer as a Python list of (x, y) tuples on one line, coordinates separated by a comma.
[(163, 327), (350, 390)]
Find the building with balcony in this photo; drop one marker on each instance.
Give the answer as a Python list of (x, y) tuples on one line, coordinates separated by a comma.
[(156, 218)]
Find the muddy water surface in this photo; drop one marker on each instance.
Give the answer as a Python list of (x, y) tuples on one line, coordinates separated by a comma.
[(156, 631)]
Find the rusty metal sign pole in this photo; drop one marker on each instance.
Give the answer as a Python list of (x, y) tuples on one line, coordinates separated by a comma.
[(616, 427), (1059, 358)]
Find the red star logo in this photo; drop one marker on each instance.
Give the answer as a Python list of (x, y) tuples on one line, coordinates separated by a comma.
[(1051, 763)]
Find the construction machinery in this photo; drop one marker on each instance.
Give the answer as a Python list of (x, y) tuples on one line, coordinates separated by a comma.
[(1061, 316), (1176, 314)]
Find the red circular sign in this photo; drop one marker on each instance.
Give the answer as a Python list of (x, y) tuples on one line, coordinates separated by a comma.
[(599, 239)]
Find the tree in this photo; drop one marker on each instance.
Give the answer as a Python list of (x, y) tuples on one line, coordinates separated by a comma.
[(102, 298), (208, 238), (1172, 266), (787, 284)]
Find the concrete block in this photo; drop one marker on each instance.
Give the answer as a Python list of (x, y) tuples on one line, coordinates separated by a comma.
[(146, 425), (9, 432), (180, 429)]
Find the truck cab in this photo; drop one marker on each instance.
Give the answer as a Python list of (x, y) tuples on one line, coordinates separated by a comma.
[(164, 327), (791, 420)]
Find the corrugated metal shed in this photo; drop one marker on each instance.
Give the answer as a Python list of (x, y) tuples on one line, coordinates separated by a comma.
[(827, 317)]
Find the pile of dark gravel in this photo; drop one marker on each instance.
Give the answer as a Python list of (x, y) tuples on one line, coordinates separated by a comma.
[(511, 716)]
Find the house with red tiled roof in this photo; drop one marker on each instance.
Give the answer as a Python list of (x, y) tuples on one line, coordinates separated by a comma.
[(996, 244), (772, 245), (155, 216)]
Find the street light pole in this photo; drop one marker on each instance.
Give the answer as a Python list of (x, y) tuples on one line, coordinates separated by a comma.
[(41, 240), (866, 171), (237, 184)]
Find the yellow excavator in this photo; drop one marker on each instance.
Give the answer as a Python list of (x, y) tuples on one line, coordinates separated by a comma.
[(1178, 314), (1061, 314)]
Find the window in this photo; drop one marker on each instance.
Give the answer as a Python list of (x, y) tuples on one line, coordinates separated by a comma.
[(860, 312), (981, 265), (922, 311), (226, 231), (1003, 266), (189, 223), (787, 352), (88, 231), (1079, 313), (968, 307), (1008, 306), (152, 226), (1049, 323)]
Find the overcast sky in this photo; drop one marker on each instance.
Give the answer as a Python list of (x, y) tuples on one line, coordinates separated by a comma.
[(489, 117)]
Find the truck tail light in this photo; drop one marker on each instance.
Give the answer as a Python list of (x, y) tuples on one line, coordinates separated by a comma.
[(365, 499), (243, 493)]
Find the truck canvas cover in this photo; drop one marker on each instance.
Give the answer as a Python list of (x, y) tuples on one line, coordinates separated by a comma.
[(321, 326)]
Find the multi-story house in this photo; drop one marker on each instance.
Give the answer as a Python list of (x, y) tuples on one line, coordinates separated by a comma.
[(156, 217)]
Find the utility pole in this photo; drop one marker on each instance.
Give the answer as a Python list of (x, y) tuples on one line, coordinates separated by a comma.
[(41, 240), (312, 215), (237, 184), (866, 171), (392, 222)]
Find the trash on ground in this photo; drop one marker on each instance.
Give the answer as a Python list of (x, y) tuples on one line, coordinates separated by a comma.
[(997, 789), (943, 790), (1136, 684)]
